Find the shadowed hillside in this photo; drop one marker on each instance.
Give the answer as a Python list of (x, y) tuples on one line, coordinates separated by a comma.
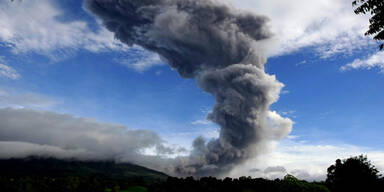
[(62, 168), (48, 174)]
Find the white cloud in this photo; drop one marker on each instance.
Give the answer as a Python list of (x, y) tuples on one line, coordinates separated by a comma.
[(329, 26), (33, 25), (140, 60), (8, 72), (305, 160), (25, 100), (374, 61), (290, 112), (158, 72), (278, 127), (301, 63), (202, 122)]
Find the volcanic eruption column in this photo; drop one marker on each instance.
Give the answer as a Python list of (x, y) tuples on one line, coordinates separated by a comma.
[(216, 45)]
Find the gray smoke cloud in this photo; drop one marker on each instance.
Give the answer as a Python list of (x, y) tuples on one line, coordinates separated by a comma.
[(276, 169), (26, 132), (217, 46)]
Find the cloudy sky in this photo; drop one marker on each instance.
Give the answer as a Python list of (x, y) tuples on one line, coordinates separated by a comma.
[(68, 88)]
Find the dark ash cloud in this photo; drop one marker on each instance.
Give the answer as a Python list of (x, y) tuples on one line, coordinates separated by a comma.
[(216, 45)]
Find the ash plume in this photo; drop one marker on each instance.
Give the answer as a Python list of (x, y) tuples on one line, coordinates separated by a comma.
[(216, 45)]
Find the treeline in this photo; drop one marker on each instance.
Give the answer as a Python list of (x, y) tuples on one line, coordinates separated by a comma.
[(355, 174), (65, 184), (242, 184), (172, 184)]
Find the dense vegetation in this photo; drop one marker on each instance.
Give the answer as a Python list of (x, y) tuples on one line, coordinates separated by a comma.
[(242, 184), (35, 174), (376, 9), (354, 174), (48, 175)]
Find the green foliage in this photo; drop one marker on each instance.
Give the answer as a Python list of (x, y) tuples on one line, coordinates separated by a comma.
[(352, 174), (136, 189), (292, 184), (376, 9)]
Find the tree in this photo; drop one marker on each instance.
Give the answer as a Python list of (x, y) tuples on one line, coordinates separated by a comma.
[(352, 174), (376, 9)]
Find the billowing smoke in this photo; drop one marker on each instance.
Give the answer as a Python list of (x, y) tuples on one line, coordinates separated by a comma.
[(216, 45)]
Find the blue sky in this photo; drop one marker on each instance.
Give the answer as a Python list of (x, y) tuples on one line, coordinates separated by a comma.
[(65, 61)]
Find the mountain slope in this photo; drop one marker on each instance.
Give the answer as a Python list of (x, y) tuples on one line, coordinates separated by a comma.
[(49, 167)]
